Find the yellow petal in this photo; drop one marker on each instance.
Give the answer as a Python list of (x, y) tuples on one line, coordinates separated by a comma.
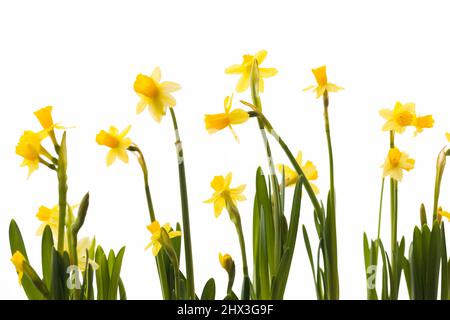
[(219, 204), (243, 83), (141, 106), (267, 72), (234, 69), (218, 183), (156, 248), (260, 56), (111, 157), (156, 74), (168, 86)]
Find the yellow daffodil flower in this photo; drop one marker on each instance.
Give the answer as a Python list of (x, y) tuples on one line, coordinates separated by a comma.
[(423, 122), (49, 217), (291, 176), (224, 193), (395, 163), (244, 69), (82, 246), (226, 261), (219, 121), (447, 136), (322, 82), (29, 147), (117, 142), (155, 229), (17, 259), (44, 116), (400, 117), (154, 94)]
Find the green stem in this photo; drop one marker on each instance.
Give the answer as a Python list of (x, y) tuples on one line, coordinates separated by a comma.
[(394, 222), (165, 290), (332, 250), (144, 168), (185, 211), (380, 209), (330, 149), (62, 192)]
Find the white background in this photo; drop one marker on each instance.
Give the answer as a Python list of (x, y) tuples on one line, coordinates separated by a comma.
[(82, 57)]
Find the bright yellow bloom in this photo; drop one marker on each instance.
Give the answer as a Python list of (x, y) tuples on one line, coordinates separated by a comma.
[(29, 147), (83, 245), (219, 121), (245, 68), (17, 259), (117, 142), (155, 229), (322, 82), (157, 96), (224, 193), (44, 116), (422, 123), (400, 117), (291, 176), (49, 217), (395, 163), (226, 261)]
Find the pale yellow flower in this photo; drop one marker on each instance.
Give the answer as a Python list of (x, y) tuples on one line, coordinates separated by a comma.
[(17, 260), (154, 94), (223, 193), (83, 246), (245, 68), (291, 176), (219, 121), (322, 82), (117, 142), (48, 217), (400, 117), (395, 163), (29, 147), (155, 229)]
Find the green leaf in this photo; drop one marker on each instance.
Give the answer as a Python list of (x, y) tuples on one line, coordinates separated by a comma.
[(115, 275), (111, 261), (265, 205), (256, 236), (101, 274), (434, 257), (209, 291), (57, 283), (122, 292), (47, 248), (282, 275), (444, 266), (310, 256)]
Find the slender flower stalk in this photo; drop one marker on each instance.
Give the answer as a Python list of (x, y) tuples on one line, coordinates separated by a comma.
[(184, 209)]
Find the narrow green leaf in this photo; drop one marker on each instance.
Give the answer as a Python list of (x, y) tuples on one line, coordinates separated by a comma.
[(115, 275), (47, 248)]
